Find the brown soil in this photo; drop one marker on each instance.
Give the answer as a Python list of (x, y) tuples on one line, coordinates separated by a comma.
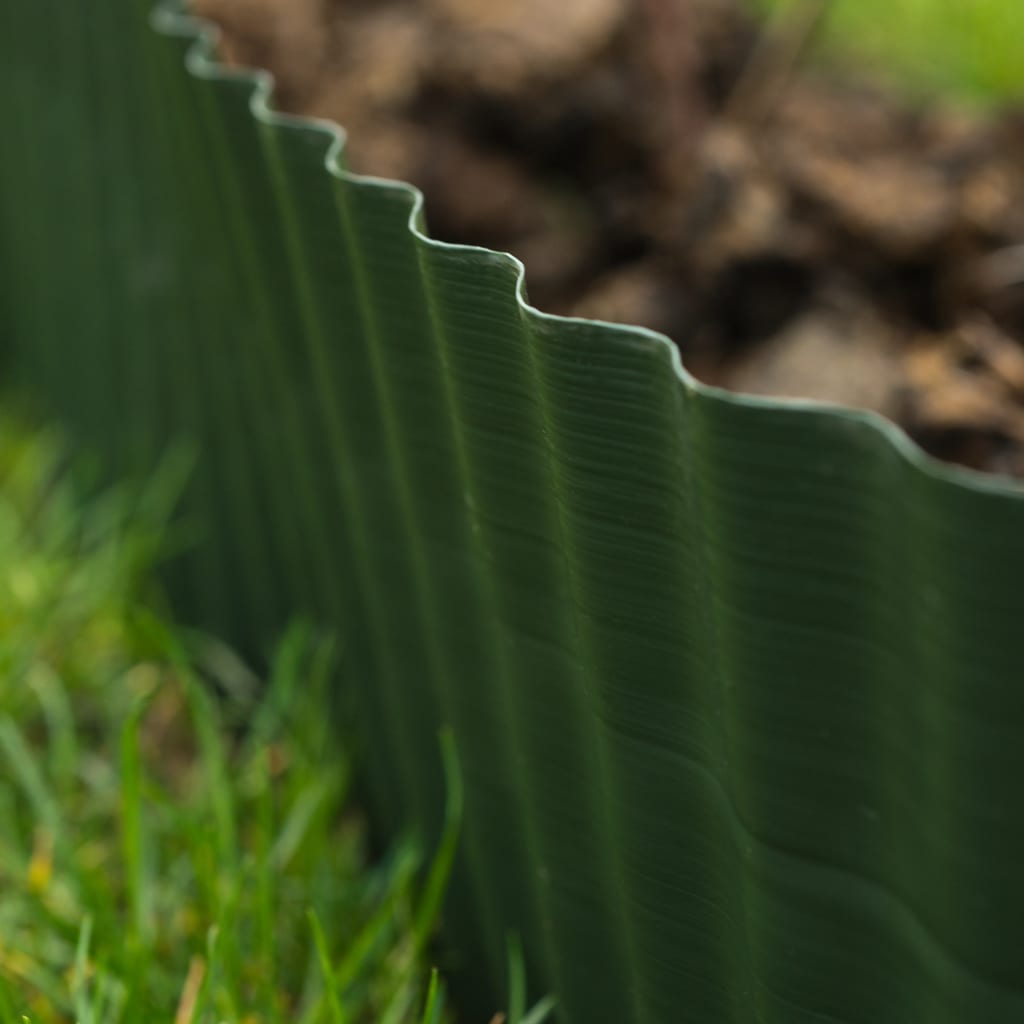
[(665, 163)]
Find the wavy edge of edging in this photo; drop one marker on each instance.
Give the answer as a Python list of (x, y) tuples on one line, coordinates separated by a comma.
[(170, 18)]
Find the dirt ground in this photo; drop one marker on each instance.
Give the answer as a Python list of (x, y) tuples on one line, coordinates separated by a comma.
[(671, 164)]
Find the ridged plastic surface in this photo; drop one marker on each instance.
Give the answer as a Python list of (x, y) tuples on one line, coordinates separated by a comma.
[(737, 686)]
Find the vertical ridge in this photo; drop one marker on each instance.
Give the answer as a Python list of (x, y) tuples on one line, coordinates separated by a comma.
[(513, 748), (605, 800), (428, 603), (330, 400), (271, 399)]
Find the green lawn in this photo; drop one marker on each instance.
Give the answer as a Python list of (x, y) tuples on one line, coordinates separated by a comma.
[(166, 854)]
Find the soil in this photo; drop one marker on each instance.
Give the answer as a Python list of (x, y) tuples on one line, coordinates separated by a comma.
[(674, 164)]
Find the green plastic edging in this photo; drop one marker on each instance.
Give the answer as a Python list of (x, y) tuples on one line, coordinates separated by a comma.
[(737, 685)]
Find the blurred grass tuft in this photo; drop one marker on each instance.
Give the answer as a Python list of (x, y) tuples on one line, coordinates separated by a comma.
[(970, 50), (176, 841)]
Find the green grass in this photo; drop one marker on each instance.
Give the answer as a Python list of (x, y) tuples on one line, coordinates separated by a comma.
[(966, 49), (176, 838)]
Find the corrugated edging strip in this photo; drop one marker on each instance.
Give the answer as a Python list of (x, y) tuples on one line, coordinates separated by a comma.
[(737, 685)]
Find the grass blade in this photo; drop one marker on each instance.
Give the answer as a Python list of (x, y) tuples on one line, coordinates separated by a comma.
[(429, 909), (331, 990)]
